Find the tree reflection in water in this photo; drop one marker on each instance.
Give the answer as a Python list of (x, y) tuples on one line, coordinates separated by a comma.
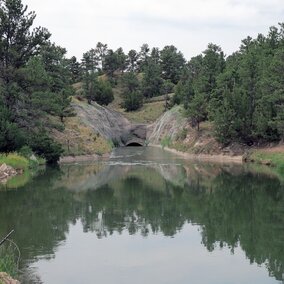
[(233, 207)]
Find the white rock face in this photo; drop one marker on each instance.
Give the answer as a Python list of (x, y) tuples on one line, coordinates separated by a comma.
[(168, 125)]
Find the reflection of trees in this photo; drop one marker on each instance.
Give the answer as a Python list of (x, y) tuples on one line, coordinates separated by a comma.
[(231, 209)]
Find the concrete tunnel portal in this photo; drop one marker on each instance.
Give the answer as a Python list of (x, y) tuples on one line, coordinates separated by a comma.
[(135, 136)]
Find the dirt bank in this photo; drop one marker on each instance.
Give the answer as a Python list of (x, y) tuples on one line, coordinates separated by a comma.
[(219, 158)]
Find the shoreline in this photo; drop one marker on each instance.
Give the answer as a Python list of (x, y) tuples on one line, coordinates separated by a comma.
[(82, 158), (219, 158)]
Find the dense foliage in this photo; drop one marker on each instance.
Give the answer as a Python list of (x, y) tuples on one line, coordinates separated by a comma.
[(243, 95), (34, 82)]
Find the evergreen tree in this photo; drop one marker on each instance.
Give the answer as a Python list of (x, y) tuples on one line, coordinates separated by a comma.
[(132, 97), (152, 83), (132, 63), (172, 63)]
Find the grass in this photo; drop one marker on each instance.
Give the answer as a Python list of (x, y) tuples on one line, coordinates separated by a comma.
[(25, 167), (79, 139), (148, 113), (8, 262), (275, 159), (15, 161)]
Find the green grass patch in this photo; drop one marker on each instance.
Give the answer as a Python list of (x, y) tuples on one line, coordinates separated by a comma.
[(14, 160), (8, 262), (166, 142), (275, 159)]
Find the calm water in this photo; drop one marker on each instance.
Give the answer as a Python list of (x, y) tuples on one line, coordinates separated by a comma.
[(146, 216)]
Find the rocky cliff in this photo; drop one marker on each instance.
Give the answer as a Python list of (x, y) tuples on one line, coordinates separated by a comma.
[(167, 126)]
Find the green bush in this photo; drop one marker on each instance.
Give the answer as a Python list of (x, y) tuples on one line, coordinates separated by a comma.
[(133, 101), (26, 151), (104, 94), (46, 148)]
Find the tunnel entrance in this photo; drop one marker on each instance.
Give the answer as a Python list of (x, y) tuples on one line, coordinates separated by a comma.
[(134, 144)]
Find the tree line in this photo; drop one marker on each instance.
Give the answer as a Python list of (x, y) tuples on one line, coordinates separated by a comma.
[(242, 94)]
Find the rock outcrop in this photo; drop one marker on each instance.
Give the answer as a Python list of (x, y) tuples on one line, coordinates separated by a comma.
[(110, 124), (6, 172), (6, 279), (168, 125)]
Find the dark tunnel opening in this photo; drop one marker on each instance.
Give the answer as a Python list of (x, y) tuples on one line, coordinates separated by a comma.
[(134, 144)]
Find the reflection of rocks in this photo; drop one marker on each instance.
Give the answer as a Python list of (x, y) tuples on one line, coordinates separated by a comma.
[(89, 177), (6, 172), (82, 178)]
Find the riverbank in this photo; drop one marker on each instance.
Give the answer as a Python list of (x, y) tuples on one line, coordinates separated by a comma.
[(12, 165), (16, 170), (270, 156), (218, 158), (83, 158)]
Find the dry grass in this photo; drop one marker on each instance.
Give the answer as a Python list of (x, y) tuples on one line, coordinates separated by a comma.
[(78, 139), (146, 114)]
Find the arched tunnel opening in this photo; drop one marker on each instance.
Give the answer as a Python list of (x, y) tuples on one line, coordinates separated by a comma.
[(134, 144)]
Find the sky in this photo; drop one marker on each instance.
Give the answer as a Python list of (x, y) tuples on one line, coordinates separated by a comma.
[(187, 24)]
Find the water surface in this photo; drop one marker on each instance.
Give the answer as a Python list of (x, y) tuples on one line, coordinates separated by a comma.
[(147, 216)]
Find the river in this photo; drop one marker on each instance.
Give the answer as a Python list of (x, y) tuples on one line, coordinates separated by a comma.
[(148, 216)]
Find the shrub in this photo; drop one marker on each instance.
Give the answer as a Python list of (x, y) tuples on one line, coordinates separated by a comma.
[(133, 101), (47, 148)]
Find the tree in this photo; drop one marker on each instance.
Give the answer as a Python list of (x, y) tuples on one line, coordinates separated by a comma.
[(45, 147), (155, 55), (104, 95), (197, 109), (133, 101), (132, 58), (11, 137), (130, 82), (152, 83), (74, 69), (101, 51), (17, 45), (213, 64), (121, 59), (97, 90), (90, 86), (132, 97), (112, 63), (57, 69), (172, 63), (90, 61), (143, 56)]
